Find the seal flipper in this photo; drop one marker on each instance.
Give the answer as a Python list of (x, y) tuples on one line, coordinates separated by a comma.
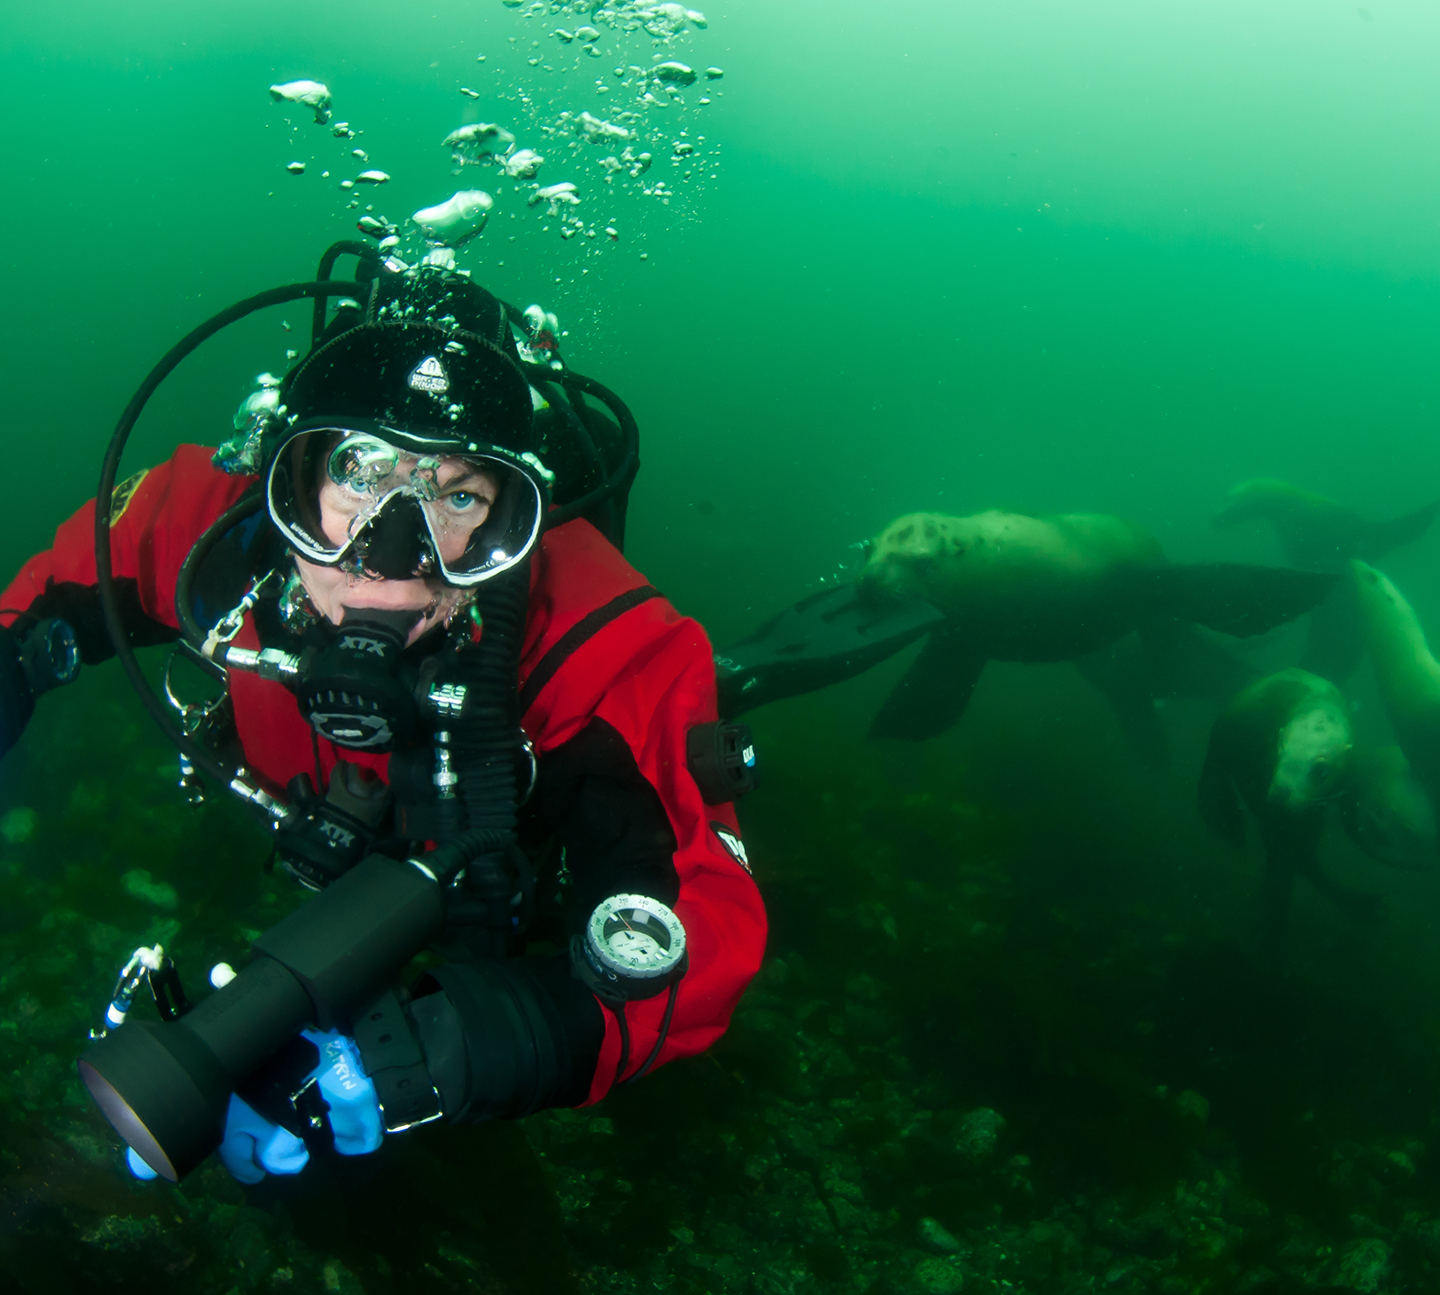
[(1334, 640), (1381, 537), (823, 639), (1218, 797), (1291, 846), (1276, 885), (1119, 673), (1359, 905), (1184, 660), (1231, 597), (933, 693)]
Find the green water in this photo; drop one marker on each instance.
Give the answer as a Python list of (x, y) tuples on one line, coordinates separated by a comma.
[(1111, 257)]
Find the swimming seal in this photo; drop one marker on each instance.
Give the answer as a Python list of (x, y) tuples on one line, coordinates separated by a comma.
[(1283, 749), (1405, 670), (1318, 534), (1019, 588)]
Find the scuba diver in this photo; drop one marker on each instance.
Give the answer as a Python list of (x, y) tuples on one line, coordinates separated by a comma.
[(470, 723)]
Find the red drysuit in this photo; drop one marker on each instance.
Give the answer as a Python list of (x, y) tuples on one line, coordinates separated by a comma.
[(645, 672)]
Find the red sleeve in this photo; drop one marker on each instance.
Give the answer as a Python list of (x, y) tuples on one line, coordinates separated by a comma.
[(153, 527), (669, 688), (650, 675)]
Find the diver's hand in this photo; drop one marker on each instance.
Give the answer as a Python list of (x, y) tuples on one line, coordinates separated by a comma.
[(254, 1146), (349, 1092), (17, 699), (41, 657)]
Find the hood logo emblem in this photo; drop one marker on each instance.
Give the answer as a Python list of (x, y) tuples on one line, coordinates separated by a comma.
[(429, 376)]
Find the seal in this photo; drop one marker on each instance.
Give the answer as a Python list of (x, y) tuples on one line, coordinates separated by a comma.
[(1406, 672), (1318, 534), (1014, 587), (1283, 749)]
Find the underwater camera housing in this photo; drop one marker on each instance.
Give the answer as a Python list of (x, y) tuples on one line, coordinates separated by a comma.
[(165, 1086)]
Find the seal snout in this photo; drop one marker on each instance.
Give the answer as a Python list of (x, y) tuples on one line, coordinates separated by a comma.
[(1313, 759)]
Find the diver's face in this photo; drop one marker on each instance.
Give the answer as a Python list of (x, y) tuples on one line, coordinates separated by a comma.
[(458, 498), (457, 495)]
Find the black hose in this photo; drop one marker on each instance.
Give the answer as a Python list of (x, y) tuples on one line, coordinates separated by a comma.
[(659, 1041), (203, 759), (624, 1024), (594, 460), (345, 247), (250, 503), (619, 480), (485, 741), (575, 402)]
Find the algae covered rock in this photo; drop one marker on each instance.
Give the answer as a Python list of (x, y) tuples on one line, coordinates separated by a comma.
[(1364, 1266), (158, 894), (939, 1276), (18, 825), (978, 1133)]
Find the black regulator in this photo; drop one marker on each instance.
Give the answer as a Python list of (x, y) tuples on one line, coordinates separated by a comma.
[(353, 691), (353, 685)]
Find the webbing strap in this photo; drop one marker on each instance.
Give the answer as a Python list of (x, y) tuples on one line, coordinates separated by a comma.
[(396, 1065), (581, 632)]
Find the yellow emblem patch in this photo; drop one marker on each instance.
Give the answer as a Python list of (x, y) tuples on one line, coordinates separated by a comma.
[(124, 493)]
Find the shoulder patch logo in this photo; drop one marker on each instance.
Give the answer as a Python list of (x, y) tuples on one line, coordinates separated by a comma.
[(429, 376), (734, 846), (124, 493)]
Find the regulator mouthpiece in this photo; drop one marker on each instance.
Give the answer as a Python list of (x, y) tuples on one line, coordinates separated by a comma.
[(352, 692)]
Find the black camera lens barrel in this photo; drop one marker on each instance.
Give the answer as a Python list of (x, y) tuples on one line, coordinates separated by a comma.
[(165, 1087), (350, 942)]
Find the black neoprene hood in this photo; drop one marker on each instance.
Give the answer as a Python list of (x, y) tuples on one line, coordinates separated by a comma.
[(432, 358)]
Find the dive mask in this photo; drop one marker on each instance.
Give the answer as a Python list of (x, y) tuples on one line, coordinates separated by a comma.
[(400, 508)]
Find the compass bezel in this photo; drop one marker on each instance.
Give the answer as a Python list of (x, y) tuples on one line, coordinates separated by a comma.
[(657, 922)]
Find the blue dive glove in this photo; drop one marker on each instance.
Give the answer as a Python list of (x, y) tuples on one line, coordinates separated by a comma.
[(253, 1146)]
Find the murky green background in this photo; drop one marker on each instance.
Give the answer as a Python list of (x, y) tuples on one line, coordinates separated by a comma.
[(1111, 257)]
